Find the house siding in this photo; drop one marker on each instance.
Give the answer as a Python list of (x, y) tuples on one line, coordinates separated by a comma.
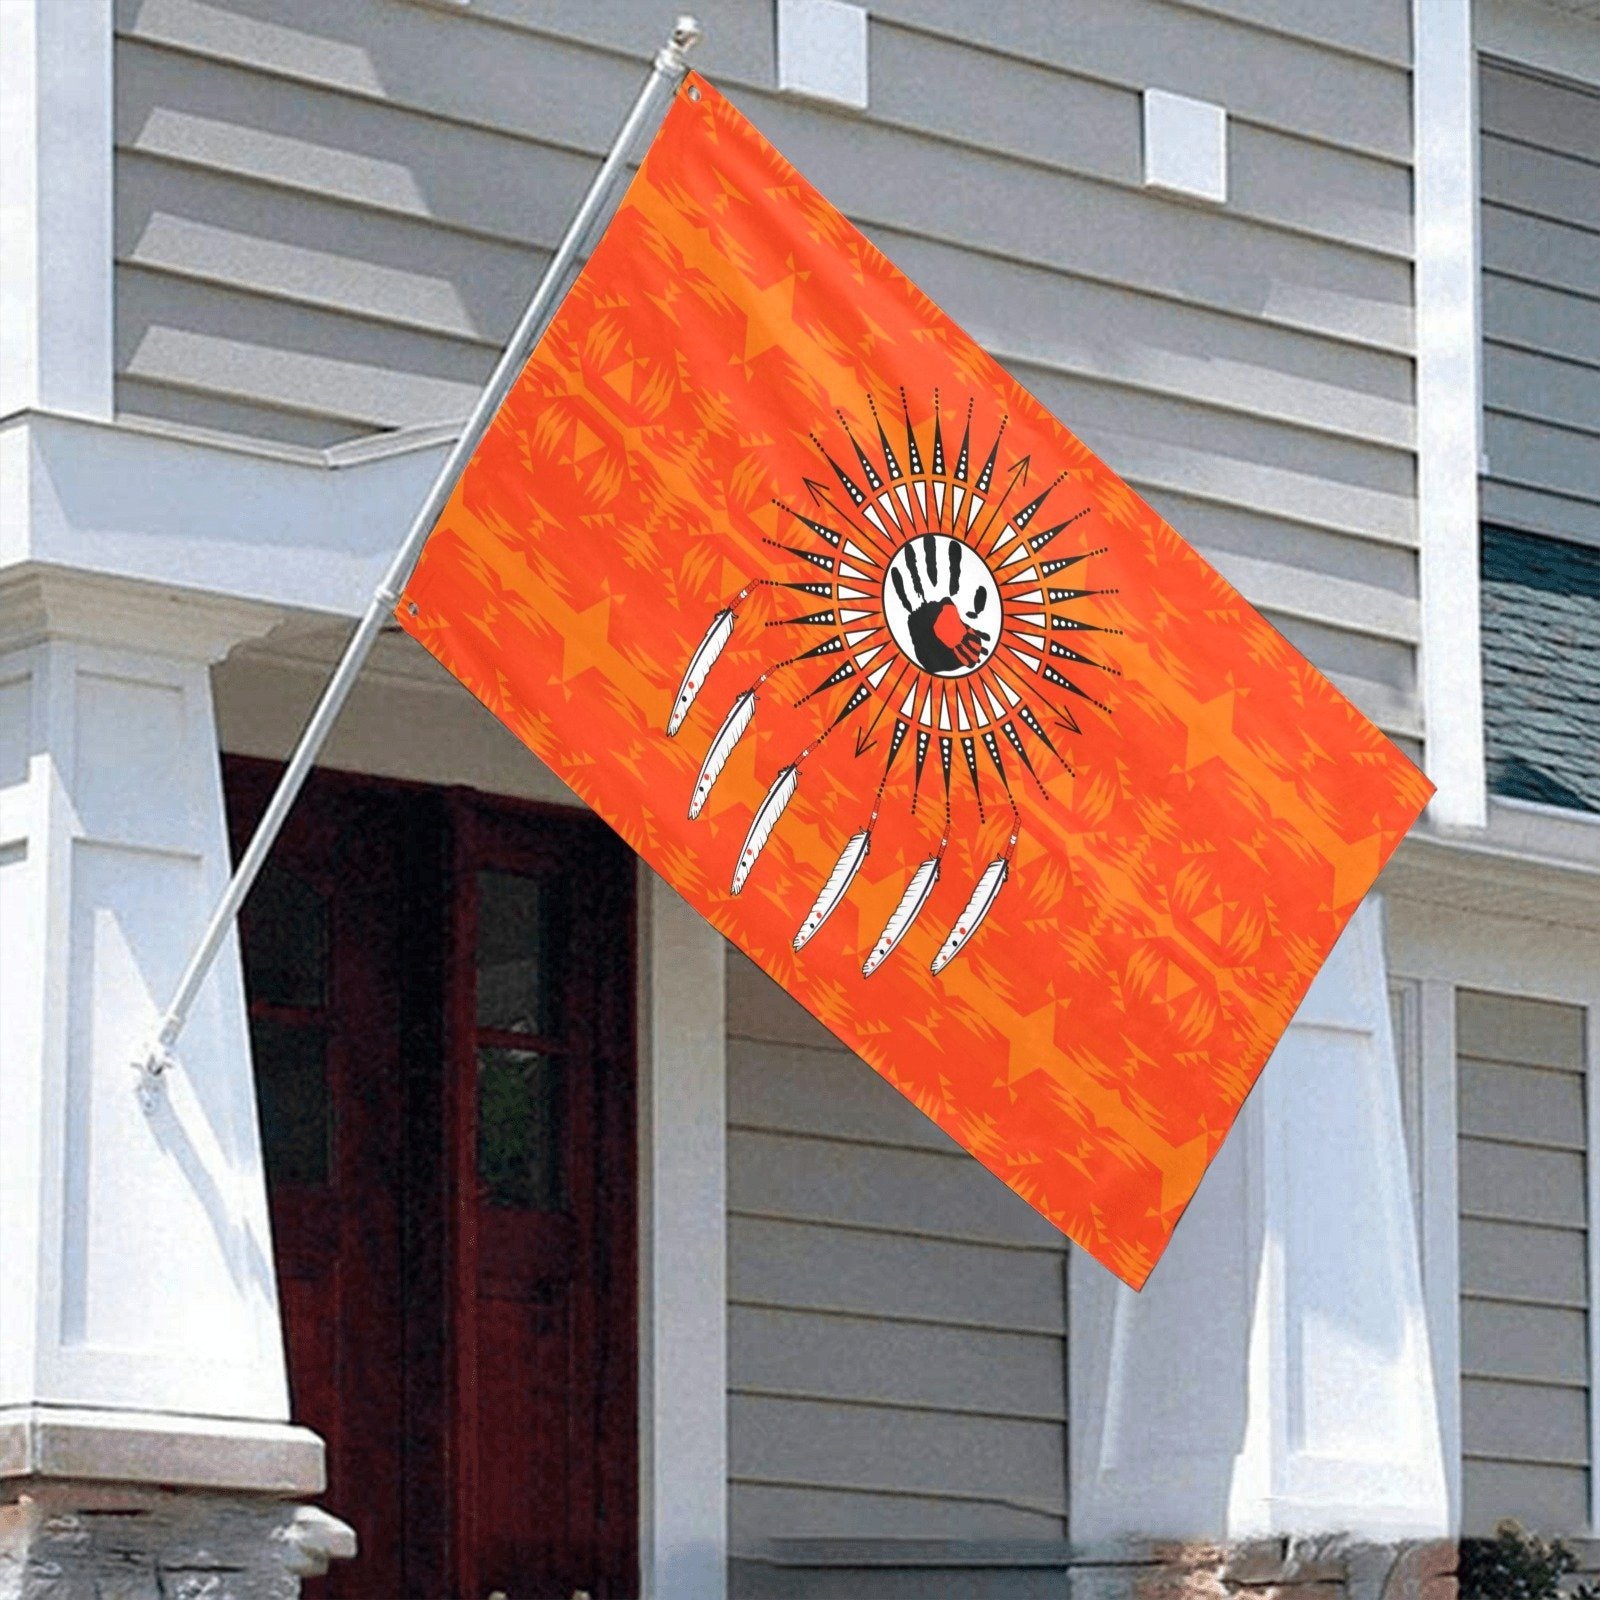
[(328, 217), (1540, 161), (897, 1316), (1525, 1292), (327, 220)]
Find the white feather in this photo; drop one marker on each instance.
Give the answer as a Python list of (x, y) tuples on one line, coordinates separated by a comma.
[(728, 735), (833, 891), (911, 902), (766, 819), (978, 907), (700, 665)]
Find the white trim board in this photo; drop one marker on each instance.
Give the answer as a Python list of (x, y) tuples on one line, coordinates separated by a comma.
[(1439, 1215), (56, 335), (683, 1250), (195, 514), (1478, 950), (1592, 1176), (1449, 340)]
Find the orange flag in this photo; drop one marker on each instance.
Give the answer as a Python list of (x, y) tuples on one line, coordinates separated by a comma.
[(909, 694)]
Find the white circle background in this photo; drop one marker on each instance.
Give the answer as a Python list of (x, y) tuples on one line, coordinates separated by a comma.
[(975, 575)]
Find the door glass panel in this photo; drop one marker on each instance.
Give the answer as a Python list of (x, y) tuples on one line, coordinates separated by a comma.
[(291, 1064), (520, 934), (287, 940), (521, 1128)]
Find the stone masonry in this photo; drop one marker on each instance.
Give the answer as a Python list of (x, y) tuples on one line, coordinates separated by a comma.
[(64, 1540)]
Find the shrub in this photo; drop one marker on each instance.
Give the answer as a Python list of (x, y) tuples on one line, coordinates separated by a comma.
[(1516, 1565)]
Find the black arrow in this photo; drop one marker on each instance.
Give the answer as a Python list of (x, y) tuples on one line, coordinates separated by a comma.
[(865, 741), (823, 496), (1019, 476)]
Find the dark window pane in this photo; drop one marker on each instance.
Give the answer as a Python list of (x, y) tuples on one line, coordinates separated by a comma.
[(521, 1130), (286, 941), (291, 1062), (520, 927), (1541, 643)]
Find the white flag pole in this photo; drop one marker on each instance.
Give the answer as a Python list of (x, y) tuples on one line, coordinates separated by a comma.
[(666, 74)]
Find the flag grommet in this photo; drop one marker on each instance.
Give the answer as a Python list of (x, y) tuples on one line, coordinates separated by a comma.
[(694, 91)]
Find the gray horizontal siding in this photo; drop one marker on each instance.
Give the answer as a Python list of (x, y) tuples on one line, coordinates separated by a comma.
[(1280, 77), (897, 1319), (1540, 163), (205, 336), (767, 1513), (1525, 1381), (1535, 1496), (328, 217), (909, 1278)]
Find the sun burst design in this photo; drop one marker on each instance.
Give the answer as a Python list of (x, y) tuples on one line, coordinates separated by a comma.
[(942, 611)]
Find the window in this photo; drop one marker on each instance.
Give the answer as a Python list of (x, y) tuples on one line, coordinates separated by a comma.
[(1541, 668), (1539, 153)]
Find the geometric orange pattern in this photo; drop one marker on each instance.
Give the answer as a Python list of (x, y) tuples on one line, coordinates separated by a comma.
[(1179, 874)]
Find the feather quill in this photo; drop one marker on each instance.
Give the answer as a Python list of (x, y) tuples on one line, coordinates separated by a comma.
[(911, 902), (700, 665), (766, 819), (833, 891), (978, 907), (728, 735)]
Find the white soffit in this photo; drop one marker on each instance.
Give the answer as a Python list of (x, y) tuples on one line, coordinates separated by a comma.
[(1185, 146), (822, 51)]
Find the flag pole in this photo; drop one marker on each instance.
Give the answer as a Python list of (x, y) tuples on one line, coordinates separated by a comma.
[(666, 73)]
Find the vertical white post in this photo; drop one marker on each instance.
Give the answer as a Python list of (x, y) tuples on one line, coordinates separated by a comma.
[(55, 206), (683, 1250), (1444, 111), (1307, 1406), (1441, 1219), (139, 1332), (1591, 1086)]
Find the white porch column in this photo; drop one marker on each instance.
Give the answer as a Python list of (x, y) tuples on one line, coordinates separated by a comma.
[(139, 1331), (1274, 1376), (683, 1344)]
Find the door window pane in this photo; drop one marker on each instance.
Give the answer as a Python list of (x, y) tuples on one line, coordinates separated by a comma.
[(287, 940), (291, 1063), (521, 1130), (521, 922)]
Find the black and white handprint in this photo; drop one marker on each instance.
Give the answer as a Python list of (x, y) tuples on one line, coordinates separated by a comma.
[(942, 605)]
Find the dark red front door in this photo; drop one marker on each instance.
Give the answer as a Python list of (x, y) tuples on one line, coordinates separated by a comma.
[(441, 1015)]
